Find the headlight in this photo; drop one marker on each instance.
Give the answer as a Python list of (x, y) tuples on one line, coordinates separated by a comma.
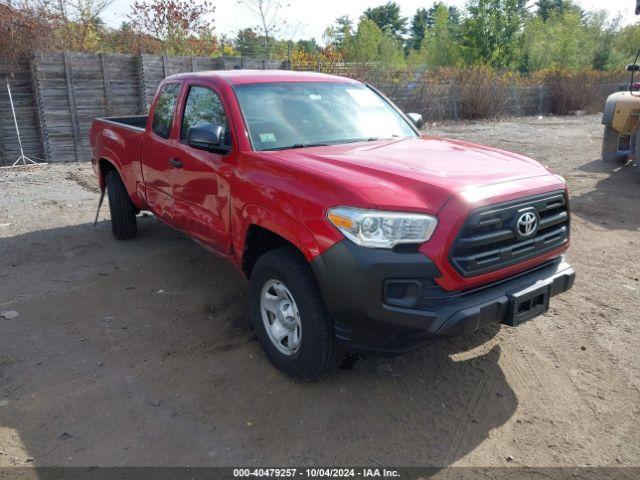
[(376, 229)]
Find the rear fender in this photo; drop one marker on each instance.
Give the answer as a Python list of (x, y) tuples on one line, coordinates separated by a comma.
[(118, 148)]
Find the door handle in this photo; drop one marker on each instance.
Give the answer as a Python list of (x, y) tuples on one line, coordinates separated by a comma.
[(174, 162)]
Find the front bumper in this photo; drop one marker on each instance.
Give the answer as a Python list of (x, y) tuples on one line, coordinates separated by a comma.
[(354, 281)]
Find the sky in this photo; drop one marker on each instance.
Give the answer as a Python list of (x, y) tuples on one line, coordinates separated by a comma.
[(309, 18)]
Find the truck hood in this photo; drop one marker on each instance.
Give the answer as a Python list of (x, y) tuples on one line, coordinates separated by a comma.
[(421, 173)]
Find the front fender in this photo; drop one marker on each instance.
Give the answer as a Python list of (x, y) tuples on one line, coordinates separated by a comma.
[(280, 224)]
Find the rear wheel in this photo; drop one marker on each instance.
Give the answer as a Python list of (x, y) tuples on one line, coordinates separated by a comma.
[(289, 316), (123, 211), (610, 151)]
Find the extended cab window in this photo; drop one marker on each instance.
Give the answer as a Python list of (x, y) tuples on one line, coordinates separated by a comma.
[(204, 106), (165, 107)]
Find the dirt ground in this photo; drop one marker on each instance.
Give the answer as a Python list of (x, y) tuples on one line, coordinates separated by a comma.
[(140, 353)]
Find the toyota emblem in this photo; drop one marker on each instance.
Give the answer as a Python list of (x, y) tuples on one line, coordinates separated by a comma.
[(527, 224)]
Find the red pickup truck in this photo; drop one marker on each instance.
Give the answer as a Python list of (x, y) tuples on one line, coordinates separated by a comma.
[(357, 233)]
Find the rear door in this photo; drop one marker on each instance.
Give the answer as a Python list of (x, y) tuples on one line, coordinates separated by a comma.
[(201, 186), (159, 152)]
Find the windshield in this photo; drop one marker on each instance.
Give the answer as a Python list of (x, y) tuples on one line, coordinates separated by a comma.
[(296, 115)]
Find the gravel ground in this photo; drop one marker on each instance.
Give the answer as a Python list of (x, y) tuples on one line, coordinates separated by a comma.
[(139, 352)]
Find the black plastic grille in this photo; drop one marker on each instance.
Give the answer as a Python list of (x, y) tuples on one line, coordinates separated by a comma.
[(490, 238)]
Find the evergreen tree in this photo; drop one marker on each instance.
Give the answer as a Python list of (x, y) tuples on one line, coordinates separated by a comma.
[(248, 43), (387, 18), (418, 29), (343, 31)]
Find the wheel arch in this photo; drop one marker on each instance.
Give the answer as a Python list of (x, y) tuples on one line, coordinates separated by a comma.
[(259, 240), (609, 109), (106, 165)]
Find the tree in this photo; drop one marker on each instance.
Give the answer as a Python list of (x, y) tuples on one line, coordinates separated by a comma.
[(546, 8), (372, 45), (440, 47), (602, 33), (267, 13), (453, 12), (24, 28), (308, 46), (126, 39), (176, 23), (491, 31), (626, 43), (418, 28), (81, 22), (560, 41), (455, 18), (341, 32), (387, 18), (247, 42), (425, 19)]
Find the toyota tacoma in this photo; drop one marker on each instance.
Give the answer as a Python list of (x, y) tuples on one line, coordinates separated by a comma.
[(358, 233)]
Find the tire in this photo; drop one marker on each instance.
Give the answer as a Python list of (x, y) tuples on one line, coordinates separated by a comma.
[(610, 151), (317, 353), (123, 211)]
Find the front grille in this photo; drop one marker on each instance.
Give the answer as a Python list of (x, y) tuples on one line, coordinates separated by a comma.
[(491, 238)]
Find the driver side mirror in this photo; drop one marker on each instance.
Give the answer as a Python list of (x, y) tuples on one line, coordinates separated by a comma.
[(205, 136), (416, 118), (633, 67)]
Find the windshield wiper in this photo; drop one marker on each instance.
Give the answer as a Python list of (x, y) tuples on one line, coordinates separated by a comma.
[(369, 139), (296, 145)]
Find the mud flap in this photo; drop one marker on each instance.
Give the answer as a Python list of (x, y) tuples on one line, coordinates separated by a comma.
[(95, 222)]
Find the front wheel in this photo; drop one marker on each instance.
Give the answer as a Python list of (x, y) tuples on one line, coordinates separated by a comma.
[(610, 142), (289, 316)]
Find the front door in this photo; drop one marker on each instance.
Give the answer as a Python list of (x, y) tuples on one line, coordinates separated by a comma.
[(158, 153), (201, 186)]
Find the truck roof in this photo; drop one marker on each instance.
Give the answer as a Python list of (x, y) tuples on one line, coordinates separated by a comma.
[(242, 77)]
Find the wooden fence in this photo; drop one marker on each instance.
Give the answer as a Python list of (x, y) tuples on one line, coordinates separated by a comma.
[(57, 95), (19, 77)]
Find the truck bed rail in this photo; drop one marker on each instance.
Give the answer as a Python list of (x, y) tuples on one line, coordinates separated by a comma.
[(134, 122)]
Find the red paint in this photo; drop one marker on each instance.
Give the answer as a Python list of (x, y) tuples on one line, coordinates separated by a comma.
[(216, 198)]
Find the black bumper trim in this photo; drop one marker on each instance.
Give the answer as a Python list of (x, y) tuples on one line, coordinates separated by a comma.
[(351, 279)]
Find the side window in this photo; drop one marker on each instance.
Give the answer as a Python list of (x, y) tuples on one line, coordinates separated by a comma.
[(165, 107), (204, 106)]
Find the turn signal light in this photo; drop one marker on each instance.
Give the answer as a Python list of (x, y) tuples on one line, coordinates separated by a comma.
[(340, 221)]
